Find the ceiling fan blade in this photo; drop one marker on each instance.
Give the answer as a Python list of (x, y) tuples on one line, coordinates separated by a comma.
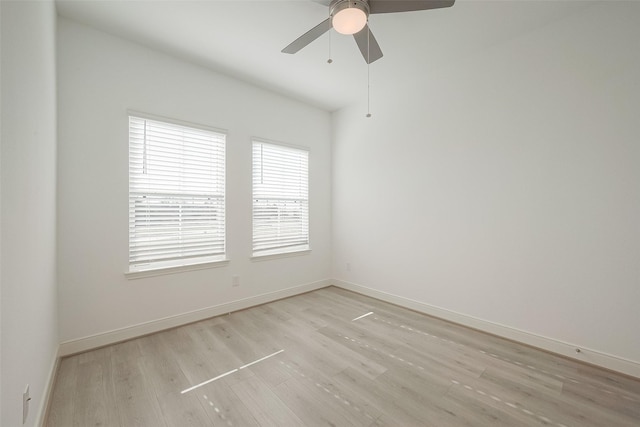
[(308, 37), (389, 6), (368, 45), (324, 2)]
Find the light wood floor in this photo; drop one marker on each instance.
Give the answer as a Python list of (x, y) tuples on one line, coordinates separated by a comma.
[(316, 366)]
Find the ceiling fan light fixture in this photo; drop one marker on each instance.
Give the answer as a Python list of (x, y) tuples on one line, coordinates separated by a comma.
[(356, 15), (349, 21), (349, 16)]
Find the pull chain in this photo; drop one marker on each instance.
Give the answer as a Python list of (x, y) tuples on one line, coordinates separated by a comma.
[(329, 61), (368, 74)]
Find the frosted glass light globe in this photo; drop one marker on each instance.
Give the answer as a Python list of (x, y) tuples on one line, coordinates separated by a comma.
[(349, 21)]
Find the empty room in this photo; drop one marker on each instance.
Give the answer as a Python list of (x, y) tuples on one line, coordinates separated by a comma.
[(319, 213)]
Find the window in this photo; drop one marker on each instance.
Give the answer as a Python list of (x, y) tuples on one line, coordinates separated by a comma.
[(176, 195), (280, 199)]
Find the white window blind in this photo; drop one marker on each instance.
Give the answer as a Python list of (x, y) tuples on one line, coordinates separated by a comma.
[(176, 195), (280, 199)]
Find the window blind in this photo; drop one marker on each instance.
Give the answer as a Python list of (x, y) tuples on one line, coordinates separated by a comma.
[(280, 199), (176, 195)]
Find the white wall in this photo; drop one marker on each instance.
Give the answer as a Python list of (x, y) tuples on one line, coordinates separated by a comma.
[(505, 188), (100, 77), (0, 214), (28, 218)]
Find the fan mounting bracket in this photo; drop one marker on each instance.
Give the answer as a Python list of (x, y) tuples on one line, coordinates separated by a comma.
[(338, 5)]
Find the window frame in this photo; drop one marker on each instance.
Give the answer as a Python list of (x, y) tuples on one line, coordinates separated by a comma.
[(297, 250), (189, 263)]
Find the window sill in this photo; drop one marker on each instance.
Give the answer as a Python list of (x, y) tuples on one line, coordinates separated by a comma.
[(268, 256), (132, 275)]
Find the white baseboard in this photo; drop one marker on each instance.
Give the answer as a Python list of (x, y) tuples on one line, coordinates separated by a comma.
[(41, 415), (100, 340), (586, 355)]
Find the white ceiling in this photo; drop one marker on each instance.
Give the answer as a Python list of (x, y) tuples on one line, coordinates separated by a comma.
[(244, 38)]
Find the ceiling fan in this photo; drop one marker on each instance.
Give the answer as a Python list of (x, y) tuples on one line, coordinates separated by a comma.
[(351, 16)]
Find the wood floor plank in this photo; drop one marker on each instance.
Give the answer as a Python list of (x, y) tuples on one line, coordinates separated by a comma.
[(136, 404), (317, 408), (471, 408), (159, 365), (271, 372), (62, 408), (251, 331), (520, 378), (352, 356), (615, 409), (94, 394), (223, 406), (263, 403), (183, 410), (394, 408)]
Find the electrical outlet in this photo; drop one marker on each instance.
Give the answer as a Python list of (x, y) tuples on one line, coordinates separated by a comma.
[(25, 404), (235, 281)]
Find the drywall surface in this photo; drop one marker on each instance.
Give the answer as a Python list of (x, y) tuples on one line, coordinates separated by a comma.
[(28, 189), (100, 78), (505, 187), (0, 214)]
